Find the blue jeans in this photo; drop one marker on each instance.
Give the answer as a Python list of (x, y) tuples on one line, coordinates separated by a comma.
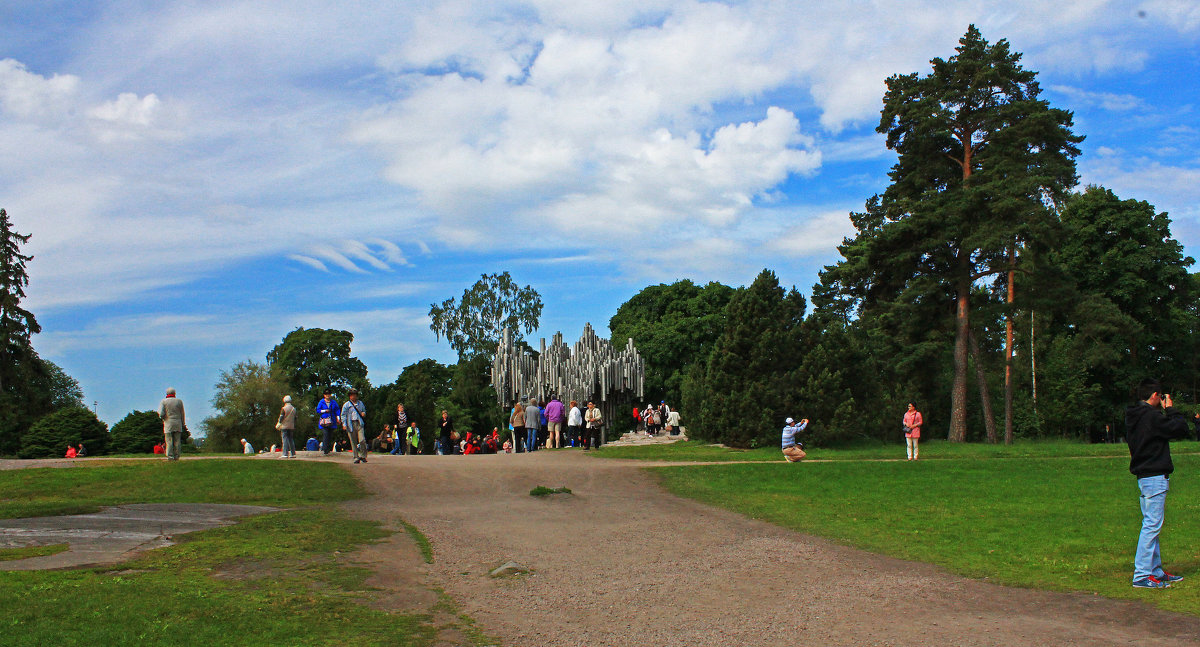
[(396, 448), (1148, 560), (530, 438)]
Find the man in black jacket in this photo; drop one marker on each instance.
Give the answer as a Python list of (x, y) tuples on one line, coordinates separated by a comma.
[(1148, 431)]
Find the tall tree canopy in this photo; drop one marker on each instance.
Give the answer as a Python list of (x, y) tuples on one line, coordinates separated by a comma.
[(982, 164), (473, 324), (246, 403), (311, 359), (674, 327), (16, 323), (747, 384)]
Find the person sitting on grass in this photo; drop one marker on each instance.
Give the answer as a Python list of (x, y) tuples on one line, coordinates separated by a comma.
[(70, 451), (247, 448), (82, 451), (793, 450)]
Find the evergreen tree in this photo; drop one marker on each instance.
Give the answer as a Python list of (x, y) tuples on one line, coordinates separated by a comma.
[(747, 385), (51, 434), (674, 327), (982, 163), (16, 323)]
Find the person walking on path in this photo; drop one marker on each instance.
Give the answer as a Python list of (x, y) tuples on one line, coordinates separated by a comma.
[(533, 420), (354, 416), (912, 431), (171, 412), (1150, 424), (328, 413), (554, 422), (793, 450), (516, 422), (446, 429), (575, 423), (594, 420), (413, 438), (400, 424), (287, 427), (673, 423)]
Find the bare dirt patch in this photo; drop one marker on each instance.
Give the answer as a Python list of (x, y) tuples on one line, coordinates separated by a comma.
[(620, 562)]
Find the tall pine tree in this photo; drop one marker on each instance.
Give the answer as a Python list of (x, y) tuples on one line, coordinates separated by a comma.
[(748, 384), (17, 324), (982, 164)]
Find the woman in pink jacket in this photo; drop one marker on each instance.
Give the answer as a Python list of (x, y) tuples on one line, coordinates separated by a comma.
[(912, 431)]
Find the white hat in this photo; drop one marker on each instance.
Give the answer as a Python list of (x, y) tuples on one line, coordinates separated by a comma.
[(789, 421)]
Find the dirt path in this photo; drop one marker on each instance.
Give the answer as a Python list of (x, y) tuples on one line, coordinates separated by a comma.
[(620, 562)]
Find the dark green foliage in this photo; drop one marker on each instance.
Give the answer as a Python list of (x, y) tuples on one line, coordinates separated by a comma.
[(747, 385), (137, 433), (471, 401), (673, 327), (473, 325), (982, 163), (51, 434), (313, 359), (420, 387), (19, 364)]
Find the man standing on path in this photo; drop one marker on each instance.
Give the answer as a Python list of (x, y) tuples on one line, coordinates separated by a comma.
[(354, 416), (327, 420), (554, 422), (793, 450), (1149, 431), (533, 421), (171, 412)]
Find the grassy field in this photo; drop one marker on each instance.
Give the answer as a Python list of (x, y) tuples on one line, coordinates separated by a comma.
[(930, 449), (1056, 516), (278, 579)]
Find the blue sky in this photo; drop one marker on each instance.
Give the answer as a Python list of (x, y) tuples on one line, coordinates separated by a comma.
[(201, 178)]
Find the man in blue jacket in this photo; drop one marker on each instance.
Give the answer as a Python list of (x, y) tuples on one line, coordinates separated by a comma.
[(328, 413), (1149, 427)]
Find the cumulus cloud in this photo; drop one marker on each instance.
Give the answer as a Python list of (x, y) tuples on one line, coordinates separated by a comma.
[(26, 95), (246, 130)]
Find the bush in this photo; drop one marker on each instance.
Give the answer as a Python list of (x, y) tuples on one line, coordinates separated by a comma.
[(136, 433), (50, 435)]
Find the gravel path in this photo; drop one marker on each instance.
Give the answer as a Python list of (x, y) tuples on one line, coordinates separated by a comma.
[(620, 562)]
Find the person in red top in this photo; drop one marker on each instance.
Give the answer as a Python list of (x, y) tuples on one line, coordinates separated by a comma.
[(912, 431), (159, 449), (637, 418), (70, 451)]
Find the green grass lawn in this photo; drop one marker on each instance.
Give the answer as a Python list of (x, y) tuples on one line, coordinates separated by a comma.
[(693, 450), (270, 580), (1014, 517)]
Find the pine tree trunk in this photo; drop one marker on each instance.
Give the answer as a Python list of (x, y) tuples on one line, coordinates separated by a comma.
[(985, 398), (1008, 350), (958, 392)]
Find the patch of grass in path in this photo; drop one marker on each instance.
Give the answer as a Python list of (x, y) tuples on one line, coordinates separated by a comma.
[(93, 484), (285, 578), (1048, 523), (25, 552)]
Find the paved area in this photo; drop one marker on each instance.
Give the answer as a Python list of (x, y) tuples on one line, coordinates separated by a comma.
[(113, 534)]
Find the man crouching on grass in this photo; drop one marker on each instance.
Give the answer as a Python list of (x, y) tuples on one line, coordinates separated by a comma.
[(793, 450), (1148, 432)]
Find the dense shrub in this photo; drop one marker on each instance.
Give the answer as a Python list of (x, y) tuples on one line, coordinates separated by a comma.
[(51, 434), (136, 433)]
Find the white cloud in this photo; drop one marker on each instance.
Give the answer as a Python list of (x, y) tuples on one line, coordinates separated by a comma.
[(818, 234), (1105, 100), (176, 140), (26, 95)]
